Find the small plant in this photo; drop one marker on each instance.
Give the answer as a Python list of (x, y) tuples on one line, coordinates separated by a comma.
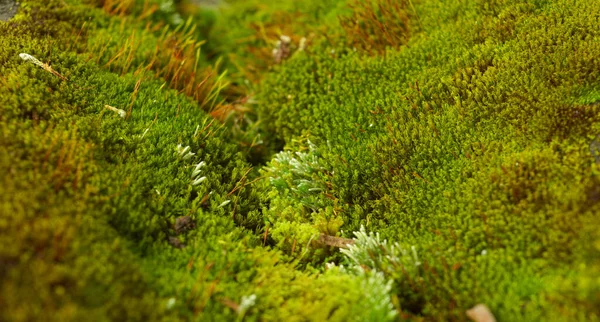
[(365, 260), (299, 208), (371, 253), (389, 267), (298, 174)]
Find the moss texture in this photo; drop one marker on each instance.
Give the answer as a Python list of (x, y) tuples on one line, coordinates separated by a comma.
[(456, 142)]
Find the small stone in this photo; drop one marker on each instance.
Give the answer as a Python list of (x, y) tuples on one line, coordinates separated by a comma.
[(183, 224), (8, 9), (481, 313)]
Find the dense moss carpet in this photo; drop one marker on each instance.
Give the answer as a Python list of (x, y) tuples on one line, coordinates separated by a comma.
[(263, 160)]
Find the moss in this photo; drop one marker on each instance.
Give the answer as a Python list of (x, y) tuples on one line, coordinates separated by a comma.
[(459, 144), (91, 197), (466, 139)]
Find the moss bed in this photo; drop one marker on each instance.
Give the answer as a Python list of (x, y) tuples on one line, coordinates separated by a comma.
[(268, 160)]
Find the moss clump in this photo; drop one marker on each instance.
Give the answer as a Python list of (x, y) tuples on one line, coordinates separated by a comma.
[(463, 133), (471, 139), (91, 196)]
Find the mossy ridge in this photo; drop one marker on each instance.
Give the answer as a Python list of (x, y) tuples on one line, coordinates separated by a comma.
[(100, 193), (492, 119)]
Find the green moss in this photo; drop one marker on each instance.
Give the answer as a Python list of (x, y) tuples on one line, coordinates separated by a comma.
[(467, 143), (91, 198), (469, 139)]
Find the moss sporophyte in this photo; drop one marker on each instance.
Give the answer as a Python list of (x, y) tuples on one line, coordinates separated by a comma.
[(316, 160)]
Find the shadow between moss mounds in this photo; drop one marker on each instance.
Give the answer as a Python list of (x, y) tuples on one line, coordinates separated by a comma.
[(8, 9)]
